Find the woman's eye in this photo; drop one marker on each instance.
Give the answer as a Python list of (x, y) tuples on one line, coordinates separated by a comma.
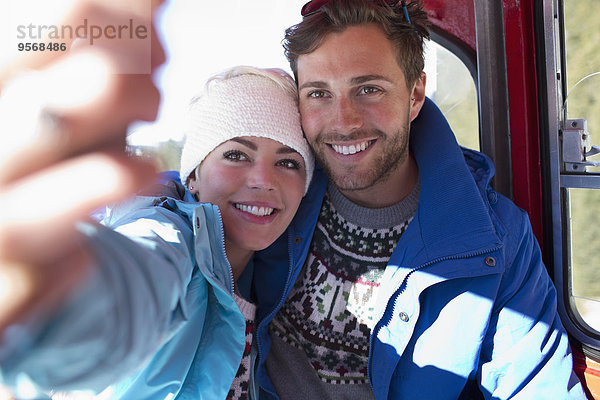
[(289, 164), (235, 155)]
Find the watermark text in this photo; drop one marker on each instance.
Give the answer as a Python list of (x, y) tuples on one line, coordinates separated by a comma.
[(91, 32)]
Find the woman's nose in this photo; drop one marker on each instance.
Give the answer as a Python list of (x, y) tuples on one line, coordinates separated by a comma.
[(262, 176)]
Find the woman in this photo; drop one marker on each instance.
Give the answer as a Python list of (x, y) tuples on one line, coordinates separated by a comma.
[(165, 292)]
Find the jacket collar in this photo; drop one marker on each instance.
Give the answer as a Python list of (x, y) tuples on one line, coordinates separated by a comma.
[(453, 216), (209, 240)]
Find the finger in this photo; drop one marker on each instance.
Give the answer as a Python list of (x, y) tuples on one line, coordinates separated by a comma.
[(77, 106), (38, 214), (95, 20)]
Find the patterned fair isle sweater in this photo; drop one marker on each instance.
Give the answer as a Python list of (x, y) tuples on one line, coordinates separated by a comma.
[(321, 335), (240, 385)]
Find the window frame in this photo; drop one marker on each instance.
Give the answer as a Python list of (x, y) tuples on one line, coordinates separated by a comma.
[(556, 182)]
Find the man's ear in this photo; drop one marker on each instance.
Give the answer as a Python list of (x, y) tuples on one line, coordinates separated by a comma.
[(417, 97)]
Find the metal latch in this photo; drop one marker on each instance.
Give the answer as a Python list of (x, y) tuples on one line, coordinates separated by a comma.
[(577, 146)]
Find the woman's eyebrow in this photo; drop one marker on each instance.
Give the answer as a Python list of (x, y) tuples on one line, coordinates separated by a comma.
[(252, 146), (285, 150), (246, 143)]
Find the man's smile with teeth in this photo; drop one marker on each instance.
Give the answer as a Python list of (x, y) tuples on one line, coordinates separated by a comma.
[(254, 210), (353, 148)]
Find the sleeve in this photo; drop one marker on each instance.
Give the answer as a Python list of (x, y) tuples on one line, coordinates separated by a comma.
[(132, 302), (526, 353)]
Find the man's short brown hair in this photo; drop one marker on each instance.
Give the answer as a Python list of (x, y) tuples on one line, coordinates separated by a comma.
[(337, 15)]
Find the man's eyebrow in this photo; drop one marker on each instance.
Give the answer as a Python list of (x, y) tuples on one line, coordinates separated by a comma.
[(246, 143), (313, 84), (367, 78), (353, 81)]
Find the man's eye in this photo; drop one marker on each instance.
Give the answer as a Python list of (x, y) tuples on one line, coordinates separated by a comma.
[(289, 164), (235, 155), (317, 94), (368, 90)]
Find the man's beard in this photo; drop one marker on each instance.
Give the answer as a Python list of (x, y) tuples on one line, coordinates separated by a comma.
[(393, 151)]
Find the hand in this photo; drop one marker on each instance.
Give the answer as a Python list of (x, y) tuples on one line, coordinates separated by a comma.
[(63, 127)]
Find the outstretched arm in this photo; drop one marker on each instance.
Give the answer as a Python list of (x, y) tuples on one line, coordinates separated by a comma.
[(64, 117)]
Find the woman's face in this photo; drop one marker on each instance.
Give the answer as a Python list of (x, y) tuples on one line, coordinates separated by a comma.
[(257, 183)]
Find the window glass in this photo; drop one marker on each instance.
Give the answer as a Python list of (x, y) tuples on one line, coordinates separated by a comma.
[(582, 35), (451, 87), (585, 254)]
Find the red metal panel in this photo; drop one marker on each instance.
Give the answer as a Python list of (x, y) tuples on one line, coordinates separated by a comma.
[(454, 17), (524, 112)]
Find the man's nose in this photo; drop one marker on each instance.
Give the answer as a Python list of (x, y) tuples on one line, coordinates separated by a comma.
[(348, 116)]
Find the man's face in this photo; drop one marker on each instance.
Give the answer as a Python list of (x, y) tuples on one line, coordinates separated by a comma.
[(356, 108)]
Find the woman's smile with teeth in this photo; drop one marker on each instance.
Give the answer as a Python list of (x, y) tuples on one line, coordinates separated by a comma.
[(254, 210), (352, 149)]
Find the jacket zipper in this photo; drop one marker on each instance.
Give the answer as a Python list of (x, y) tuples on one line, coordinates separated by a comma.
[(282, 300), (222, 229), (222, 232), (388, 315)]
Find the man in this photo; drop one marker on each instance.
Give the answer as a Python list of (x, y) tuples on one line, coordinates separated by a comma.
[(408, 277)]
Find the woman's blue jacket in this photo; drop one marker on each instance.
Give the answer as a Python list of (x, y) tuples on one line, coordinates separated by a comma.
[(160, 297)]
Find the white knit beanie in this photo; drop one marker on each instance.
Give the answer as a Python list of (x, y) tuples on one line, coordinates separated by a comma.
[(244, 101)]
